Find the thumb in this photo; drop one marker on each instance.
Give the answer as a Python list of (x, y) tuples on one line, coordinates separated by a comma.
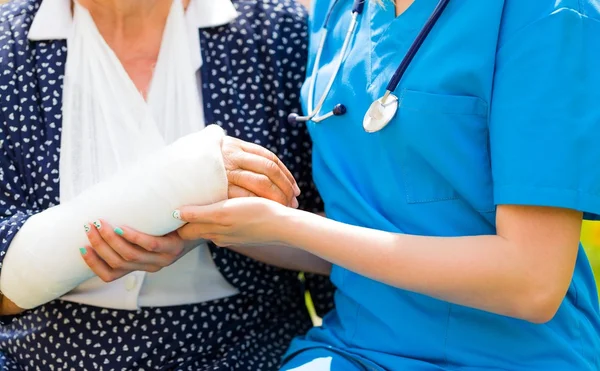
[(207, 214)]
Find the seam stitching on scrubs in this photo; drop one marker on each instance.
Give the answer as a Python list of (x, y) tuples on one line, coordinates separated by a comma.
[(406, 175), (577, 320), (371, 49), (403, 167), (444, 112), (355, 330), (576, 191), (406, 167), (488, 158), (446, 337), (467, 112), (515, 34), (411, 200)]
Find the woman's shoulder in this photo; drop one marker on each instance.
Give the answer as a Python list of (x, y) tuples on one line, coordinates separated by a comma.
[(16, 17), (20, 11), (271, 13), (273, 6), (261, 29), (19, 57)]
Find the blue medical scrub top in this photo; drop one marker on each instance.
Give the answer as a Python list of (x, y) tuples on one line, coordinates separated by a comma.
[(500, 106)]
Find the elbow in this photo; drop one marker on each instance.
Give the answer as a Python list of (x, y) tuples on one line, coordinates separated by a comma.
[(542, 312), (540, 305)]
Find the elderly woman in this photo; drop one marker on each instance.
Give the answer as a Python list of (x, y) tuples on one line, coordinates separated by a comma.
[(89, 90)]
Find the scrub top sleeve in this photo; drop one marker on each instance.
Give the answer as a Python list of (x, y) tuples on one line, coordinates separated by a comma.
[(545, 115)]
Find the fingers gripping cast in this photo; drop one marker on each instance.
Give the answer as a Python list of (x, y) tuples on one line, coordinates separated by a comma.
[(116, 251), (44, 260)]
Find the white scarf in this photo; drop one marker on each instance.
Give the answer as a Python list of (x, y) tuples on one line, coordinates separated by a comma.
[(106, 122)]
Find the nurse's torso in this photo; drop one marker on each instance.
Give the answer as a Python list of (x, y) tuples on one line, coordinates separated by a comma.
[(427, 173)]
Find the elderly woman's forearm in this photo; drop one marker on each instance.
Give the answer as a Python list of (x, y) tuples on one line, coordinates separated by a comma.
[(48, 243)]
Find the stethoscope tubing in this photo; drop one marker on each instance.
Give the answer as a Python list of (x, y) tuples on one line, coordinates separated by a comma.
[(340, 109), (311, 91)]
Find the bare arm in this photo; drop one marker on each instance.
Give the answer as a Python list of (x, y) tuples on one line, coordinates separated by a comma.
[(286, 257), (523, 271)]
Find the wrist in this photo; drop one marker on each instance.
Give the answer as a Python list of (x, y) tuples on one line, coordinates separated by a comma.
[(288, 226)]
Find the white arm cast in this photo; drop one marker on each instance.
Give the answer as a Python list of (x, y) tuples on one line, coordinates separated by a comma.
[(43, 261)]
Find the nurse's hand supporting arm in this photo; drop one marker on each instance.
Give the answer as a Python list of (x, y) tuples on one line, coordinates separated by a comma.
[(281, 256), (524, 271)]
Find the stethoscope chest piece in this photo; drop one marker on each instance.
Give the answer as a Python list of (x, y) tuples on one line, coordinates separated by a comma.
[(380, 113)]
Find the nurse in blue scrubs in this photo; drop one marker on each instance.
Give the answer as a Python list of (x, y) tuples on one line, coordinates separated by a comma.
[(453, 231)]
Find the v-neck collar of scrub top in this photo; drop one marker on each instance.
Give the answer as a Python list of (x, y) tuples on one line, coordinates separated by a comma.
[(384, 28), (54, 21)]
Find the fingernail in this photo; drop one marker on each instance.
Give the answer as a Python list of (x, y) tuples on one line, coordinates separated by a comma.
[(87, 228), (83, 251), (295, 203), (297, 190), (177, 214), (97, 224), (119, 231)]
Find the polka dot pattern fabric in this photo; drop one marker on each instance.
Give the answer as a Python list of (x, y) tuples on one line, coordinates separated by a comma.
[(252, 72), (226, 334)]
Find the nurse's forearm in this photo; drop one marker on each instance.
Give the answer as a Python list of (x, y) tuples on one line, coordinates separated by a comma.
[(286, 257), (523, 272)]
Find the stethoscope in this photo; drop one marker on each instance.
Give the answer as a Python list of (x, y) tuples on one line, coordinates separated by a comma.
[(381, 111)]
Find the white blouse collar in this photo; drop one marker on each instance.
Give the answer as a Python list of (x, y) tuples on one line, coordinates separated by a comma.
[(54, 20)]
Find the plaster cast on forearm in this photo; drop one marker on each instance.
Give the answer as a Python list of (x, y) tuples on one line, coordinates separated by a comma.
[(43, 261)]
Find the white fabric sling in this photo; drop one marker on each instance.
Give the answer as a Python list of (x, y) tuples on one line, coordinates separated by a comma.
[(107, 124), (116, 163)]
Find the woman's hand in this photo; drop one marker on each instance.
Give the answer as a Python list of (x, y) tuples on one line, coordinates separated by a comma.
[(250, 226), (8, 308), (114, 253), (255, 171), (249, 221), (252, 171)]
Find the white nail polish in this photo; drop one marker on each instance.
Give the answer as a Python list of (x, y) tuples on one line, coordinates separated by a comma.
[(177, 214), (97, 224)]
